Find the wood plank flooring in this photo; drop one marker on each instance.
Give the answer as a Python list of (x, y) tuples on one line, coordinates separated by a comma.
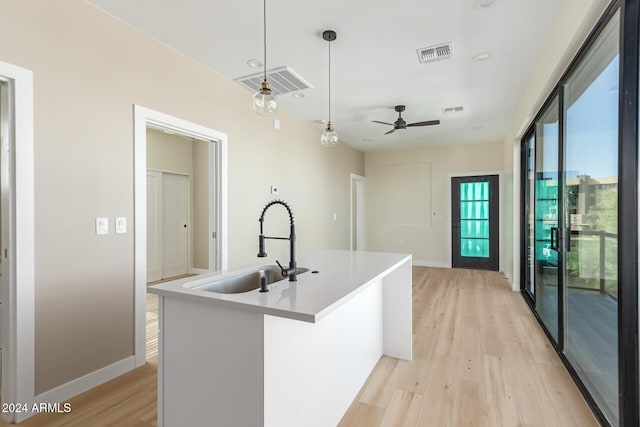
[(480, 359)]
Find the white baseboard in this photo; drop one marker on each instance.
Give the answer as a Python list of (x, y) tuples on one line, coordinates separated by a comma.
[(199, 271), (73, 388), (438, 264)]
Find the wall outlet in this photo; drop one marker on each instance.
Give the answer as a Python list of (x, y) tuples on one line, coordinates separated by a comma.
[(102, 225)]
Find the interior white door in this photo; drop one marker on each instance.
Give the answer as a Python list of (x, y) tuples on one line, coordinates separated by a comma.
[(154, 226), (175, 232)]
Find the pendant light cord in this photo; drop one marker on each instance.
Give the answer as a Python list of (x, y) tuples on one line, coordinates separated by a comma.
[(329, 81), (264, 34)]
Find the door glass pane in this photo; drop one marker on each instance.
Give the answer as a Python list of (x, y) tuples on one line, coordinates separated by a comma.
[(546, 218), (474, 219), (591, 179)]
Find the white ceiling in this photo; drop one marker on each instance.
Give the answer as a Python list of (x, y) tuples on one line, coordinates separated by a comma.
[(374, 61)]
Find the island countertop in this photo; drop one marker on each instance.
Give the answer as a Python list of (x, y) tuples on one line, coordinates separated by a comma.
[(341, 275)]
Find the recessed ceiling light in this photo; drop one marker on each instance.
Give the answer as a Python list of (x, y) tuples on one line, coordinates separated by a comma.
[(482, 56), (298, 95), (254, 63), (486, 3)]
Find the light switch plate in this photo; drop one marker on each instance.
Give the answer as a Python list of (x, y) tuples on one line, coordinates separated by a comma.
[(121, 224), (102, 225), (274, 189)]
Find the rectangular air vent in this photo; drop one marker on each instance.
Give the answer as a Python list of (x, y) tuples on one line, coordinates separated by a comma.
[(281, 80), (447, 111), (435, 53)]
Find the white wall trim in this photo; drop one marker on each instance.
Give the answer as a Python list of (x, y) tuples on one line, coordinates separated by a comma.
[(198, 271), (144, 117), (19, 379), (438, 264), (353, 177), (500, 212), (75, 387)]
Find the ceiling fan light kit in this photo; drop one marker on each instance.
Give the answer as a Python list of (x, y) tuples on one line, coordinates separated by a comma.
[(264, 102), (329, 137)]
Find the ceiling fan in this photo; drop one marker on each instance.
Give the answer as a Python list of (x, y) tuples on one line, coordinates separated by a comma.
[(402, 124)]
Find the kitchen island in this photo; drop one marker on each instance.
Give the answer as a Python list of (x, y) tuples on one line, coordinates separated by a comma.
[(296, 355)]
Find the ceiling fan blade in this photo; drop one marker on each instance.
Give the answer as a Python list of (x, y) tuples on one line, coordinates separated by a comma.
[(391, 131), (427, 123), (382, 123)]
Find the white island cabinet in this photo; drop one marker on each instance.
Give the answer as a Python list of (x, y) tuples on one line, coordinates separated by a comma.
[(294, 356)]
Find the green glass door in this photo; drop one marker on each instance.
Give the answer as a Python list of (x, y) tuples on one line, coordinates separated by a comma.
[(475, 222)]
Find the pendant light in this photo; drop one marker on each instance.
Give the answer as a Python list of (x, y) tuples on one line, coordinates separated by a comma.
[(329, 137), (264, 102)]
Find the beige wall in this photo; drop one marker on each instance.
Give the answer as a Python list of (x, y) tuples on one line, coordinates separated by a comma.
[(200, 199), (573, 24), (89, 71), (408, 204), (169, 152)]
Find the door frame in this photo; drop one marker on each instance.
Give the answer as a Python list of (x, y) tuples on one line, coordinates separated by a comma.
[(144, 117), (18, 373), (360, 181), (500, 214)]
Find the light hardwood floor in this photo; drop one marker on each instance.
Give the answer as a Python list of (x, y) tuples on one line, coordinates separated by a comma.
[(480, 359)]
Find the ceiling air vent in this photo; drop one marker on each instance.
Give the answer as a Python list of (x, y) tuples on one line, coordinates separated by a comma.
[(281, 80), (435, 53), (447, 111)]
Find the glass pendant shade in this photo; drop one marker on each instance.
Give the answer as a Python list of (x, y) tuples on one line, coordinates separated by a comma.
[(329, 137), (264, 102)]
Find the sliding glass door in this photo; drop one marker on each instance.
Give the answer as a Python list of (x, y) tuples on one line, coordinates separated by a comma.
[(546, 218), (591, 224), (570, 218)]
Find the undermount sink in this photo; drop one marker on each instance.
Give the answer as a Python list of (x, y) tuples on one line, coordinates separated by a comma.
[(246, 282)]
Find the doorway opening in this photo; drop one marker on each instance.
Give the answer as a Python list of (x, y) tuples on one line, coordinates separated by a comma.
[(188, 233), (178, 207), (475, 230), (357, 221)]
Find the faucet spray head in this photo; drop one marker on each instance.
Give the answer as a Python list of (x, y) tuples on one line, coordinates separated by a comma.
[(261, 252)]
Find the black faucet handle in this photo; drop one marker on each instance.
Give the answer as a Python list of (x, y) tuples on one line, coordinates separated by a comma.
[(283, 270)]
